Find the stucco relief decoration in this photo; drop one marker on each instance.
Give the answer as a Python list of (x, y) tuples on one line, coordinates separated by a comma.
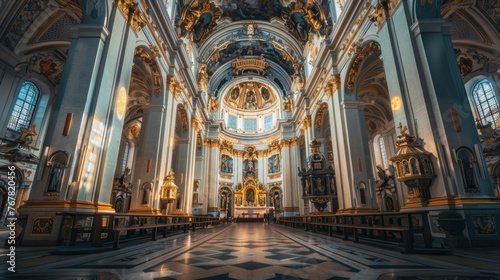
[(383, 10), (202, 77), (174, 86), (304, 18), (298, 77), (20, 149), (132, 13), (197, 20), (48, 63)]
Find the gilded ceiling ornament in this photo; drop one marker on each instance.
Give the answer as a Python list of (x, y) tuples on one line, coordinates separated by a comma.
[(250, 28)]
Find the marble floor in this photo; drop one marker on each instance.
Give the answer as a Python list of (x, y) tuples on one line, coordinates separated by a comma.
[(252, 251)]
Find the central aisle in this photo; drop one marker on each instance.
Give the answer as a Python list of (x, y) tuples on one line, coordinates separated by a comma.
[(251, 251)]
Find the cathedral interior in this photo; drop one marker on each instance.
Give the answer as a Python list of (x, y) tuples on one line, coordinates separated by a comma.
[(348, 117)]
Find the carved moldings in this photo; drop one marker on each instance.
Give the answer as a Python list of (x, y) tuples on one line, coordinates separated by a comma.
[(131, 12), (368, 50)]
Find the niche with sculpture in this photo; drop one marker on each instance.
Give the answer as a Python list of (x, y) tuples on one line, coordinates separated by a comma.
[(57, 163)]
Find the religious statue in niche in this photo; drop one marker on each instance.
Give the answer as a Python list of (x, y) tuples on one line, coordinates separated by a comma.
[(226, 165), (467, 160), (250, 169), (57, 164)]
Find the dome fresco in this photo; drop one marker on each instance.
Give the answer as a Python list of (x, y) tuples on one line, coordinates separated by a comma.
[(250, 96)]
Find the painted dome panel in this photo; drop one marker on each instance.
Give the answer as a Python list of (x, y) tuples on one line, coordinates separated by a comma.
[(250, 96), (251, 9)]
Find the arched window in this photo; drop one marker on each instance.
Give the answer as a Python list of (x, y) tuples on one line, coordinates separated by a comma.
[(486, 102), (24, 107), (383, 152), (125, 156)]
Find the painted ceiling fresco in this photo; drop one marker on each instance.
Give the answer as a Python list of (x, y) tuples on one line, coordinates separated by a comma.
[(251, 9), (250, 96), (303, 17), (249, 48)]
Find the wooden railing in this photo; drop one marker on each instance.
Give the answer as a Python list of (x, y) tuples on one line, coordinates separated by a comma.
[(396, 228), (102, 227)]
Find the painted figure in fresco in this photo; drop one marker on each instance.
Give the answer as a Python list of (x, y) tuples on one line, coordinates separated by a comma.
[(265, 93), (235, 93), (250, 101)]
